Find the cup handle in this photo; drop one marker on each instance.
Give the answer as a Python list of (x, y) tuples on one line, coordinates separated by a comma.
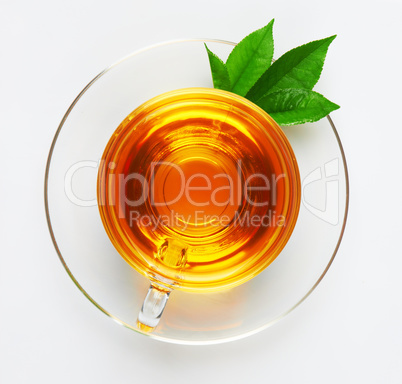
[(172, 253), (152, 308)]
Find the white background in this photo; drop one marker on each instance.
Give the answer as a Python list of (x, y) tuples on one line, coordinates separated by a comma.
[(349, 330)]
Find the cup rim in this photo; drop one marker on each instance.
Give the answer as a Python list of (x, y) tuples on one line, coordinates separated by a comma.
[(281, 148)]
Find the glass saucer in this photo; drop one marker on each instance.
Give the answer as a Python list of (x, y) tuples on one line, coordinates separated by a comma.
[(109, 282)]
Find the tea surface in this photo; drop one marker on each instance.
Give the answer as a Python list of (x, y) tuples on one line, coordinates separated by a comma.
[(199, 189)]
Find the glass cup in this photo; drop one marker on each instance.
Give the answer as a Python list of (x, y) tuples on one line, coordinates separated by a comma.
[(198, 190)]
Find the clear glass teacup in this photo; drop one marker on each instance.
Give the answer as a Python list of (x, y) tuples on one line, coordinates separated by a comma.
[(198, 190)]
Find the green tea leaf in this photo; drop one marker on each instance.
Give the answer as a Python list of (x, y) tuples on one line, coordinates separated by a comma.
[(220, 76), (296, 106), (301, 67), (283, 89), (250, 59)]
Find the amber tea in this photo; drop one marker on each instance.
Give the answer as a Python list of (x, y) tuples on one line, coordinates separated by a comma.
[(199, 189)]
